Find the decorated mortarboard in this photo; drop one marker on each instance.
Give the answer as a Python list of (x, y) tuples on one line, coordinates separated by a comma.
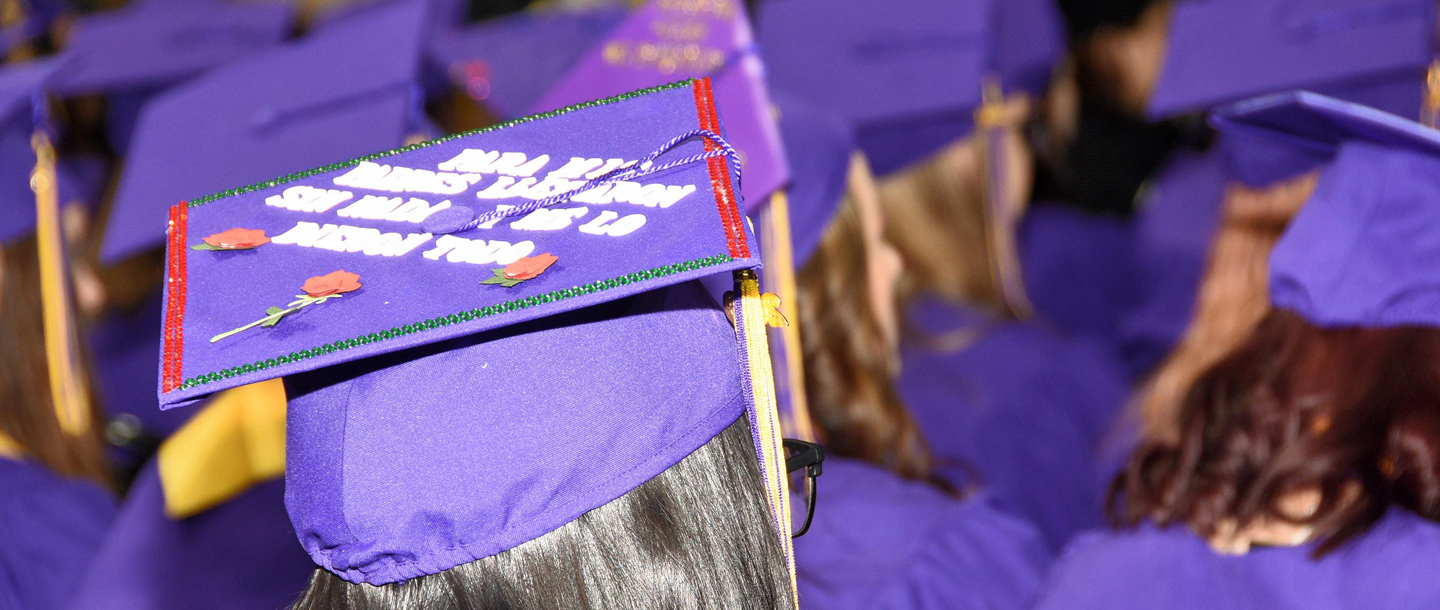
[(507, 64), (906, 73), (1374, 52), (663, 41), (143, 48), (503, 293), (336, 94), (1280, 136), (1362, 250)]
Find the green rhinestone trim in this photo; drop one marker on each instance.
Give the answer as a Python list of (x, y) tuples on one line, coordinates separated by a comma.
[(404, 149), (456, 318)]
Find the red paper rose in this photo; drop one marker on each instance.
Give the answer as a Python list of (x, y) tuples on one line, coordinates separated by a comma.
[(529, 266), (335, 282), (238, 239)]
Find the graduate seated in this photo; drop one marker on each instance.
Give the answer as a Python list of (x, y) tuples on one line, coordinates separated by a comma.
[(1295, 466)]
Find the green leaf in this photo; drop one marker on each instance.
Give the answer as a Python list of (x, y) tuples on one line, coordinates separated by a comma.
[(509, 283), (499, 272), (494, 280), (273, 311), (204, 246)]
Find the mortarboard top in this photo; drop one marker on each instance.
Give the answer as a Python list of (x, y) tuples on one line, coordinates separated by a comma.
[(1362, 251), (509, 63), (143, 48), (335, 94), (907, 74), (1028, 40), (662, 41), (21, 86), (1375, 52), (1280, 136), (557, 328)]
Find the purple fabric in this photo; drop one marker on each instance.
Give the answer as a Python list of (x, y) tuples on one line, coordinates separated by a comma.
[(501, 437), (19, 84), (329, 97), (818, 145), (1028, 40), (1172, 236), (224, 290), (1363, 250), (1020, 407), (51, 528), (509, 63), (881, 543), (1392, 567), (1280, 136), (724, 50), (1337, 46), (1077, 268), (81, 180), (240, 555), (143, 47), (124, 345), (906, 73)]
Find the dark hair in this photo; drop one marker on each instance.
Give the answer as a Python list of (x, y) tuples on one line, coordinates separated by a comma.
[(849, 365), (698, 535), (1353, 413), (27, 413)]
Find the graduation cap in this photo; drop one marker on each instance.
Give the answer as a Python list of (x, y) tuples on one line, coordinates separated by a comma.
[(1375, 52), (662, 41), (1027, 41), (132, 53), (906, 74), (22, 89), (1362, 251), (1280, 136), (337, 94), (509, 63), (449, 313)]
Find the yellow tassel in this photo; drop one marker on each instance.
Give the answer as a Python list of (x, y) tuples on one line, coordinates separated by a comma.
[(780, 262), (235, 443), (767, 424), (1005, 264), (68, 391), (1429, 114)]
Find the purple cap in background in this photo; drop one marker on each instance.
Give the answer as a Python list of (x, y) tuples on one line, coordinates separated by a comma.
[(1374, 52), (1363, 250), (508, 63), (336, 94), (666, 41), (21, 87), (818, 144), (907, 73)]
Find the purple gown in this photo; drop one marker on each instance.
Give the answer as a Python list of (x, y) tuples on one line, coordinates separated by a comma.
[(1392, 567), (50, 530), (241, 555), (1022, 408), (882, 543), (1077, 268)]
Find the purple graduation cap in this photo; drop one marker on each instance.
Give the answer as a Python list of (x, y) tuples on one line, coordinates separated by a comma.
[(337, 94), (906, 74), (1027, 41), (1362, 251), (1375, 52), (511, 283), (22, 88), (663, 41), (507, 64)]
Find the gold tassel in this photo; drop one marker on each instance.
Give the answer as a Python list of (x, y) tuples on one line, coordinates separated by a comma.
[(780, 261), (68, 391), (1005, 263)]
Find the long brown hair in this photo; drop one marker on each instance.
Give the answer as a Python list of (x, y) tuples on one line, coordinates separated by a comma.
[(1351, 413), (935, 214), (27, 414), (1234, 295), (850, 365)]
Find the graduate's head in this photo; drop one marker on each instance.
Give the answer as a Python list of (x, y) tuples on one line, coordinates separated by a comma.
[(1325, 411), (847, 274), (485, 399), (48, 413)]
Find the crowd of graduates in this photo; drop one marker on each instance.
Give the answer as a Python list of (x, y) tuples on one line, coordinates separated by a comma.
[(770, 304)]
